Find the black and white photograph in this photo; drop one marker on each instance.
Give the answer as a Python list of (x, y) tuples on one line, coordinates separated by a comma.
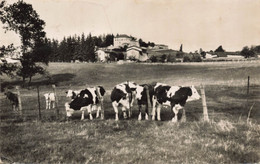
[(129, 81)]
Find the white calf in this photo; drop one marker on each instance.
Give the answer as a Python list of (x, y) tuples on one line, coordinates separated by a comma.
[(50, 100)]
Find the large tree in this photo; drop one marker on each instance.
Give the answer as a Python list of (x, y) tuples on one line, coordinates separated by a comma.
[(248, 52), (24, 20)]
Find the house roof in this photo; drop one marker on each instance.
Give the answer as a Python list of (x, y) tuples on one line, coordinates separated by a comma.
[(122, 36), (134, 48)]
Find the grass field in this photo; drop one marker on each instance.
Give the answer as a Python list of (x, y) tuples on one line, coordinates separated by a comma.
[(225, 139)]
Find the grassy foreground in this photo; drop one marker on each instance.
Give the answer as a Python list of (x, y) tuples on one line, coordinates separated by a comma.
[(131, 142), (225, 139)]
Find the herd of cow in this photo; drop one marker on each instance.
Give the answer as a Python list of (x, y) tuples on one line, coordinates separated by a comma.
[(123, 95)]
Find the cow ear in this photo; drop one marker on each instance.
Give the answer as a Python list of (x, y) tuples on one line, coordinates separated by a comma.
[(66, 92)]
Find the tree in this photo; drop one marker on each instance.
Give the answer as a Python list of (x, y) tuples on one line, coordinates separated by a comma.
[(7, 68), (24, 20), (181, 48), (220, 49), (247, 53), (142, 43)]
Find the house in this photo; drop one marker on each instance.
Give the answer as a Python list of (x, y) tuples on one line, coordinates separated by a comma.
[(102, 55), (124, 40), (210, 56), (136, 53)]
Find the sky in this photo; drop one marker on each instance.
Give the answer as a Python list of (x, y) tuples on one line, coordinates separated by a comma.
[(196, 24)]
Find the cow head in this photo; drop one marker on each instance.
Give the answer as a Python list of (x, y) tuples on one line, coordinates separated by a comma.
[(139, 90), (194, 94), (69, 93)]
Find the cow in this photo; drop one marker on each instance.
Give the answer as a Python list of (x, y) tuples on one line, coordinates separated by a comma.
[(72, 93), (173, 96), (50, 100), (144, 94), (13, 98), (123, 94), (88, 99)]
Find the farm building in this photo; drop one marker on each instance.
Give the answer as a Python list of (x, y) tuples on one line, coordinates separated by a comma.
[(102, 55), (136, 53), (124, 40)]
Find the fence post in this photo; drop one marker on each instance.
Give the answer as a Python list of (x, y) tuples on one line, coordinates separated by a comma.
[(248, 85), (39, 104), (204, 104), (56, 100), (19, 99)]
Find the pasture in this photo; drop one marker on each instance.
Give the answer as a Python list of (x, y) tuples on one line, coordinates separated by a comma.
[(227, 138)]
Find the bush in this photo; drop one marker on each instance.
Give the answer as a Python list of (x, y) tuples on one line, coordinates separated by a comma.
[(192, 58), (171, 58), (187, 59), (153, 59)]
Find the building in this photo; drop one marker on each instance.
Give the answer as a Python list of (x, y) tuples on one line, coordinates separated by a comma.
[(124, 40), (102, 55), (136, 53)]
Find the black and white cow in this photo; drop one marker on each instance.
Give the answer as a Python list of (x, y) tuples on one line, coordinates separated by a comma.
[(144, 94), (123, 94), (173, 96), (50, 100), (88, 99), (13, 98)]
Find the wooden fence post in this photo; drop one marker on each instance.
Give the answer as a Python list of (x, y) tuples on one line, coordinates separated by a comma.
[(39, 104), (19, 99), (204, 104), (56, 100), (248, 85)]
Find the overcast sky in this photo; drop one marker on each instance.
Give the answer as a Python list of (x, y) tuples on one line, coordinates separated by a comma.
[(196, 24)]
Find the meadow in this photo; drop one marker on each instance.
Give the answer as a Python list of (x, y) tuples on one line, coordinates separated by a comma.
[(226, 138)]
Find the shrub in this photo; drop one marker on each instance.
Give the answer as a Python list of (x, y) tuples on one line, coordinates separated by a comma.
[(153, 59), (171, 58)]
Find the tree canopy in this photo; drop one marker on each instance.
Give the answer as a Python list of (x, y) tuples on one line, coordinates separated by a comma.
[(24, 20)]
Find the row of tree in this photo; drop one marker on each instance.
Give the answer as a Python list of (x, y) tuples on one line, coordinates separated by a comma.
[(78, 47)]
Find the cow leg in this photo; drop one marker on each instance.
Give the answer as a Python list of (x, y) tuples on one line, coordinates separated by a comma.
[(154, 108), (146, 112), (98, 110), (53, 104), (159, 106), (82, 114), (89, 108), (131, 105), (47, 103), (175, 111), (140, 112), (115, 106), (183, 118), (124, 112)]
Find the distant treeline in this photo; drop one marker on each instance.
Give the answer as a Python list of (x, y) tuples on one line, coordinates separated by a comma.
[(78, 47)]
